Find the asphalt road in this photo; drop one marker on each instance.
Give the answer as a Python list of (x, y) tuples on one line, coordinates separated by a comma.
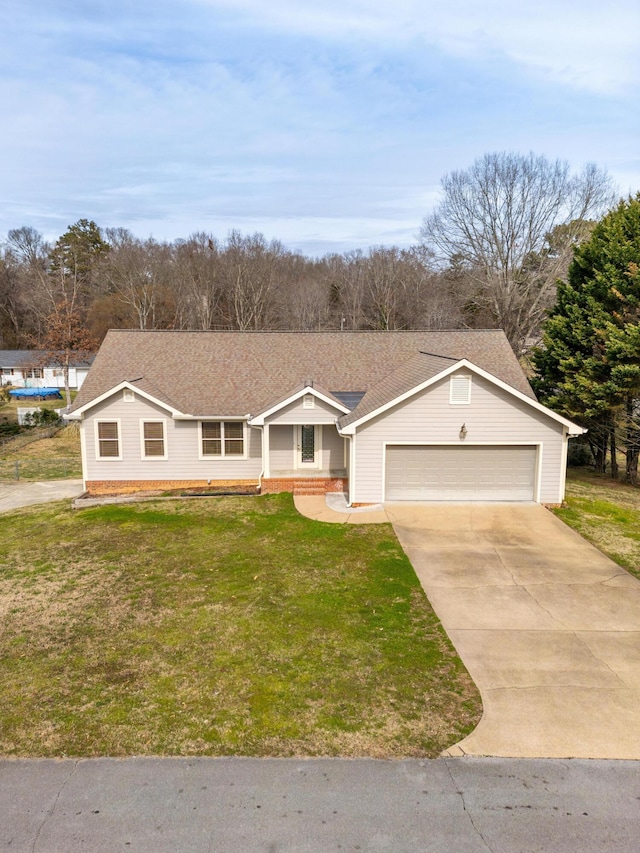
[(205, 805)]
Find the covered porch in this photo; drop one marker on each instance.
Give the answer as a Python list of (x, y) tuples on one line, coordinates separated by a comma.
[(304, 458)]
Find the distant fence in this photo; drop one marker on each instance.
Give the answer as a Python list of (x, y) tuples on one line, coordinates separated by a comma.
[(40, 469), (16, 442)]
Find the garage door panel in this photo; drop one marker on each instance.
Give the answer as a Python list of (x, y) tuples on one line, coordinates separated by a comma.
[(470, 472)]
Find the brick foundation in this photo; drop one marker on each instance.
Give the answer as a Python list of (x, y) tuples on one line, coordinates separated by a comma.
[(129, 487), (304, 486), (272, 486)]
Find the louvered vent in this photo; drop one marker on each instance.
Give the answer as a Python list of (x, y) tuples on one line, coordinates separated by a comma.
[(460, 390)]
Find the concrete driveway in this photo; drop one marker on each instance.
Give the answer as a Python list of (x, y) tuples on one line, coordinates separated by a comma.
[(23, 493), (548, 627)]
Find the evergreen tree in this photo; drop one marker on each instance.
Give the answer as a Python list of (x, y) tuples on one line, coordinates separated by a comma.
[(589, 366), (74, 260)]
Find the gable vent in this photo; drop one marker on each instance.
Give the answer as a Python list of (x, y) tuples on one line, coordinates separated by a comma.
[(128, 396), (460, 390)]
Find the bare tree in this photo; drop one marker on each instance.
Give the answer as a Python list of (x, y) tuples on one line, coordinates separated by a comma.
[(199, 286), (27, 296), (138, 272), (499, 218), (251, 280)]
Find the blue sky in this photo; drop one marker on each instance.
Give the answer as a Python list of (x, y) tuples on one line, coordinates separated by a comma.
[(327, 125)]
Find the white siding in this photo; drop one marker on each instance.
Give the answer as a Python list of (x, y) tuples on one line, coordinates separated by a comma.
[(281, 457), (332, 449), (182, 448), (493, 417), (51, 378)]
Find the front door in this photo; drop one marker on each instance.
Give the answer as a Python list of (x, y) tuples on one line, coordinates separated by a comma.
[(307, 450)]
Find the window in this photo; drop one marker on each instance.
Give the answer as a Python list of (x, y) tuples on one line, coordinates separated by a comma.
[(107, 440), (222, 438), (460, 390), (33, 373), (153, 440)]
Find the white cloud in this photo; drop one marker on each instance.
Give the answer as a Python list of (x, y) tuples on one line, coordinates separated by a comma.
[(584, 44), (322, 124)]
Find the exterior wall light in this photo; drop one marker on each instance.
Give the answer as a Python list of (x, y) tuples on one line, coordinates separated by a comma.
[(463, 432)]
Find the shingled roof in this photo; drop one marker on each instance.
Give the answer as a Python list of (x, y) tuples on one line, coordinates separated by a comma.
[(239, 373), (29, 358)]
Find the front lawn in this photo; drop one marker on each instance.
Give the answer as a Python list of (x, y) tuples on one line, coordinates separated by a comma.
[(607, 513), (219, 626)]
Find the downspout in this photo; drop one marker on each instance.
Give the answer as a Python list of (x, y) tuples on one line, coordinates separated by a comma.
[(261, 474)]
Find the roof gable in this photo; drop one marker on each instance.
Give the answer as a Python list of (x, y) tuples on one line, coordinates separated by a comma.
[(78, 411), (325, 396), (382, 398)]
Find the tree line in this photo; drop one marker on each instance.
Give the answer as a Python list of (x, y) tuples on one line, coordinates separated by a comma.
[(488, 256), (111, 279)]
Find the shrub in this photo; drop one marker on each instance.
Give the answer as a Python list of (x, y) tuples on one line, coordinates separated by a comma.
[(43, 417), (9, 428)]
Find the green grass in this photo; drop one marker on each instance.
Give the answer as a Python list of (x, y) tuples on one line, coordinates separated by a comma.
[(219, 626), (40, 469), (54, 458), (607, 513)]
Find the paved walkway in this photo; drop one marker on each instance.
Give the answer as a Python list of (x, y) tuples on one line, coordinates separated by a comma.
[(333, 508), (23, 493), (548, 627), (201, 805)]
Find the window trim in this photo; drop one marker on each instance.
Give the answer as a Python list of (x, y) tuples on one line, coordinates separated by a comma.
[(452, 379), (210, 457), (143, 454), (96, 423)]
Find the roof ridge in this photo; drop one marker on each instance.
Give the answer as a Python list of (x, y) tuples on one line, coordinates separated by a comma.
[(304, 332)]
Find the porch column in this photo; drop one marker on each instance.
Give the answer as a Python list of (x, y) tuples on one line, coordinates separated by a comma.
[(266, 463)]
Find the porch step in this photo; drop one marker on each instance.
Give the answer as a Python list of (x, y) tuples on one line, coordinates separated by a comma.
[(309, 487), (304, 486)]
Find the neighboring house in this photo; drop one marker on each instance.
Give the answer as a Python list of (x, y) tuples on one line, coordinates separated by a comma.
[(30, 369), (416, 416)]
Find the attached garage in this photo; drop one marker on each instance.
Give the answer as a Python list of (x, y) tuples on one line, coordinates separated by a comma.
[(460, 472)]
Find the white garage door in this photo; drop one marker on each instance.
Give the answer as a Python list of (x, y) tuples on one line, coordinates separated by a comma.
[(461, 473)]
